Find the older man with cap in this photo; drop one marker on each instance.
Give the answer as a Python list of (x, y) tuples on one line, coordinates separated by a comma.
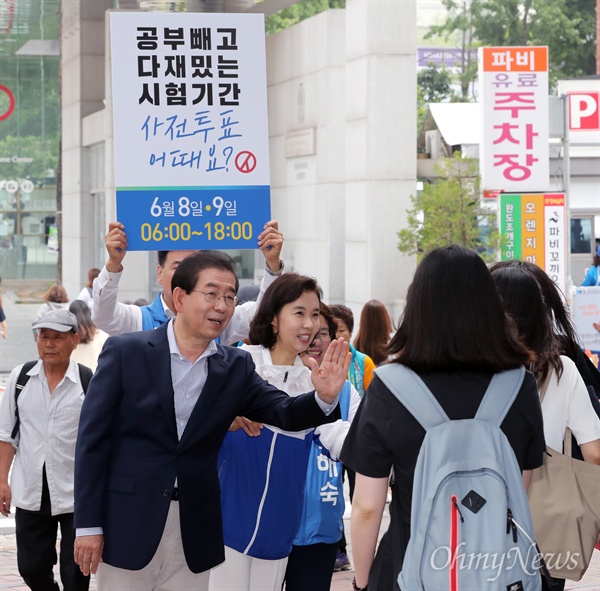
[(39, 418)]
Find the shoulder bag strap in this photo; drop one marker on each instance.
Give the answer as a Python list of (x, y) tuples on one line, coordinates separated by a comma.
[(85, 375), (21, 383)]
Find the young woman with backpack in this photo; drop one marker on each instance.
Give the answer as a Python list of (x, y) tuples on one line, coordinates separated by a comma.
[(455, 336)]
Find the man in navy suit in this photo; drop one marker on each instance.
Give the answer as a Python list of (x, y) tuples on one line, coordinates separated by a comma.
[(147, 497)]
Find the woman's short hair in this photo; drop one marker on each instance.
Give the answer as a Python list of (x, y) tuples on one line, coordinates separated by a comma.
[(92, 274), (325, 311), (284, 290), (454, 320), (86, 328), (343, 313), (57, 293)]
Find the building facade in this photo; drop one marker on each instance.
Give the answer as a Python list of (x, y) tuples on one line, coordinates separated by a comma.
[(342, 112)]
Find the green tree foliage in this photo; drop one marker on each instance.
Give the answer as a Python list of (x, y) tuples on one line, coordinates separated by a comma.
[(434, 83), (459, 26), (433, 86), (448, 211), (298, 12), (567, 27)]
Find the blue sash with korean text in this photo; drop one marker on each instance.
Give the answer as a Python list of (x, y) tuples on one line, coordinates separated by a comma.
[(323, 507)]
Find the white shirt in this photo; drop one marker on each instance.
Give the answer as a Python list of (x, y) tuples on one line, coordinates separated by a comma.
[(116, 318), (567, 404), (188, 379), (86, 295), (47, 435), (50, 307), (88, 353)]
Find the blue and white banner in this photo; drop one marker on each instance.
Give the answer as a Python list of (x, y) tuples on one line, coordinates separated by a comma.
[(190, 128)]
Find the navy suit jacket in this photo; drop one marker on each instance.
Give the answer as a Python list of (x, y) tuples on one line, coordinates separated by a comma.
[(128, 454)]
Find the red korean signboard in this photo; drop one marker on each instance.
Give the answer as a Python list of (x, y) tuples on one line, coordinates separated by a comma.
[(514, 153)]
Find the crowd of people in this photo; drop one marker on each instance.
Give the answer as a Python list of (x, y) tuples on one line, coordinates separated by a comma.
[(210, 448)]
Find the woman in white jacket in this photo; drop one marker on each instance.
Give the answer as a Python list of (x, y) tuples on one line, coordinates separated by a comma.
[(262, 469)]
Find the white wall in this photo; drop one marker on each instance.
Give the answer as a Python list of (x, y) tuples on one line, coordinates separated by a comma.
[(350, 75)]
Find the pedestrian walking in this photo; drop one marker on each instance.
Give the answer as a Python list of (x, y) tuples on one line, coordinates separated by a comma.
[(456, 337), (56, 298), (38, 430), (374, 331), (147, 497), (87, 293)]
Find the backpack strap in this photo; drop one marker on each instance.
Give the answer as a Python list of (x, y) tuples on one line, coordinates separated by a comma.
[(414, 395), (500, 395), (85, 375), (21, 383)]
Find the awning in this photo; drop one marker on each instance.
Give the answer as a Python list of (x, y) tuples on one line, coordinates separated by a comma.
[(458, 122)]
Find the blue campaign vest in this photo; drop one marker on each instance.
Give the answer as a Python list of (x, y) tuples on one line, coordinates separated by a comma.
[(323, 507), (262, 486), (153, 315)]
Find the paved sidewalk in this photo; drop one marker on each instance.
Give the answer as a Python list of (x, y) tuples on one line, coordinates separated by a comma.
[(10, 579)]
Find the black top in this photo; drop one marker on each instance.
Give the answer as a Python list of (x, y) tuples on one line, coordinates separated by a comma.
[(384, 434)]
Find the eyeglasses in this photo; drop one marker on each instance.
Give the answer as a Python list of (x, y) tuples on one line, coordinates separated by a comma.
[(322, 335), (212, 297)]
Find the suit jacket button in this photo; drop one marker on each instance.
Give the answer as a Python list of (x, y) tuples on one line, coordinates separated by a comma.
[(167, 492)]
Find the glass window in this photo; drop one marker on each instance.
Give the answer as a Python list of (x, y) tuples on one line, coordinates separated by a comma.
[(581, 235), (27, 216), (29, 138)]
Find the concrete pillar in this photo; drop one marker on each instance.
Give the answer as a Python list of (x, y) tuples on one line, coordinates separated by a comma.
[(380, 148), (82, 86)]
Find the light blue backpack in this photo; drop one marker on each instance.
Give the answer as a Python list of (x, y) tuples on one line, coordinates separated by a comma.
[(470, 522)]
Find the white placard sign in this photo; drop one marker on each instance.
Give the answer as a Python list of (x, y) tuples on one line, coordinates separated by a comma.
[(191, 129)]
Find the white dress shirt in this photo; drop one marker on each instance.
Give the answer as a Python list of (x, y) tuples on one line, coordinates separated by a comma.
[(188, 379), (47, 435), (116, 318)]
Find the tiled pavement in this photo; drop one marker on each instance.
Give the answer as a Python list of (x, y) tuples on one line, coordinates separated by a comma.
[(10, 579)]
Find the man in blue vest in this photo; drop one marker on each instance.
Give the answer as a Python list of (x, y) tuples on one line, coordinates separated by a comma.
[(115, 318)]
